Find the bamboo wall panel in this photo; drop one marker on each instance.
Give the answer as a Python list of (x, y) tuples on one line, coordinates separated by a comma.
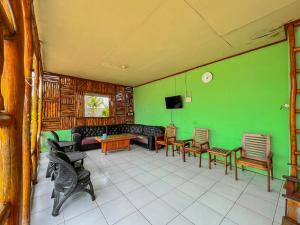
[(63, 102)]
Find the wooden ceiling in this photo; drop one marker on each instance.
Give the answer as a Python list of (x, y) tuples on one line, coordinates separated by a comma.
[(132, 42)]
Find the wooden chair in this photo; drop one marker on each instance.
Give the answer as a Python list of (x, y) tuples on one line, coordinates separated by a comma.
[(255, 153), (199, 143), (167, 139)]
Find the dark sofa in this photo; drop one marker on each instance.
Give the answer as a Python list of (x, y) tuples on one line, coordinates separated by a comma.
[(84, 136)]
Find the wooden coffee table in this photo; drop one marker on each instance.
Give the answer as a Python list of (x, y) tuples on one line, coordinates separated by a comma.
[(220, 152), (115, 142)]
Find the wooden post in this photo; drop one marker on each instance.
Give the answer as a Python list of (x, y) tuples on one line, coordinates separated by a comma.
[(34, 122), (11, 131), (26, 153)]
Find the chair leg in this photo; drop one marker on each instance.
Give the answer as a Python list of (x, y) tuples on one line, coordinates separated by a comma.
[(58, 203), (272, 172), (269, 182), (49, 169), (156, 148), (91, 191), (200, 159), (235, 171), (243, 168), (167, 149), (173, 150)]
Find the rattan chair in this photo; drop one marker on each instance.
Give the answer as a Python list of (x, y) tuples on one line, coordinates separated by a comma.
[(74, 156), (67, 145), (68, 180), (256, 153), (199, 144), (167, 139)]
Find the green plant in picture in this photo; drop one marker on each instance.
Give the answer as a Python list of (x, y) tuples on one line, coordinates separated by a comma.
[(105, 111), (94, 103)]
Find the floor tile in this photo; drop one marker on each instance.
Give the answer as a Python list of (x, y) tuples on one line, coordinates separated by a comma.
[(101, 182), (118, 177), (239, 184), (41, 203), (171, 167), (202, 215), (159, 187), (245, 216), (185, 173), (158, 212), (107, 194), (134, 171), (128, 185), (146, 178), (228, 222), (141, 197), (91, 217), (262, 192), (117, 209), (280, 212), (258, 205), (173, 179), (79, 204), (204, 181), (216, 202), (134, 219), (191, 189), (45, 218), (160, 172), (227, 191), (180, 220), (44, 188), (177, 199)]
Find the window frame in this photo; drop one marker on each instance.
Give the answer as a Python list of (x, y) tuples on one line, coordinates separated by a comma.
[(96, 95)]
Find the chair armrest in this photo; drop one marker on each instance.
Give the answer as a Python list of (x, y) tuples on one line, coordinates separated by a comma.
[(206, 143), (235, 150)]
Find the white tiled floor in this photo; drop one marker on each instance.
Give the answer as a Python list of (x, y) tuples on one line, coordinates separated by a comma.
[(141, 187)]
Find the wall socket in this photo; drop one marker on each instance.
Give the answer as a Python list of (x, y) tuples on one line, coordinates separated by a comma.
[(188, 99)]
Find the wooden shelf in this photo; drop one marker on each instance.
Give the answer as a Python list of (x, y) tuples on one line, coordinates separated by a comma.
[(295, 196), (293, 179), (288, 221)]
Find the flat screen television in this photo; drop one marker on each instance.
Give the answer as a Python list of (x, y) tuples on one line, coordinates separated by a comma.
[(173, 102)]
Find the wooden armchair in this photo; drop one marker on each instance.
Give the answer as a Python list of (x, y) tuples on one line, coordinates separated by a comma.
[(255, 153), (167, 139), (199, 144)]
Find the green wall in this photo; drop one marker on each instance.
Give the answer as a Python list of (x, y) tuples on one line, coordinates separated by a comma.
[(245, 95), (64, 135)]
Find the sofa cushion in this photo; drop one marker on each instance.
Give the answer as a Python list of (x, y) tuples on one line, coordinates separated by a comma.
[(89, 141), (135, 128), (153, 130), (117, 129), (141, 138), (90, 131)]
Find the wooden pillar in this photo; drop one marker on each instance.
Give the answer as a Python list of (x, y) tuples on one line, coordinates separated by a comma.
[(34, 122), (26, 153), (12, 87)]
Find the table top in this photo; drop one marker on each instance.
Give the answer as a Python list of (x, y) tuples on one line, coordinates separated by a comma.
[(116, 137), (222, 151), (76, 156)]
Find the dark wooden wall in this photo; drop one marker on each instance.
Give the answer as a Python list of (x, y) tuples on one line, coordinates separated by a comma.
[(63, 102)]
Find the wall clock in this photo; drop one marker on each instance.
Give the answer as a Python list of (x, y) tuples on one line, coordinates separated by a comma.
[(207, 77)]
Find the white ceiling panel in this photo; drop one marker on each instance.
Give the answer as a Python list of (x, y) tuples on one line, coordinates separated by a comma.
[(153, 39)]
